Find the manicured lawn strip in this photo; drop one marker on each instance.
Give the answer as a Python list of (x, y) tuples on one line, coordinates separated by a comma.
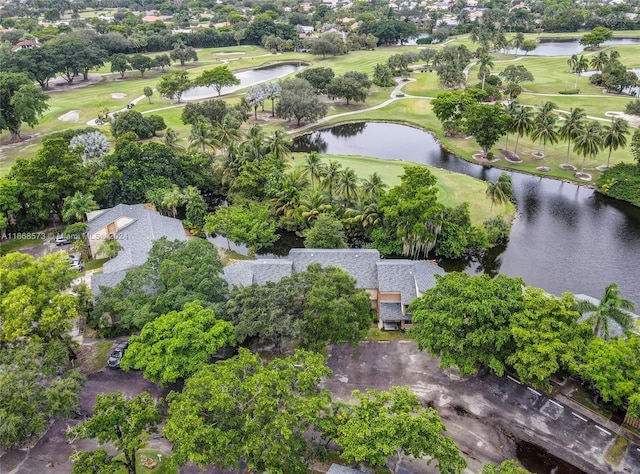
[(95, 264), (454, 188), (11, 245)]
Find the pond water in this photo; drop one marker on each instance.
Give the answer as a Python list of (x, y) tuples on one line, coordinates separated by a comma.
[(247, 78), (566, 237), (569, 47)]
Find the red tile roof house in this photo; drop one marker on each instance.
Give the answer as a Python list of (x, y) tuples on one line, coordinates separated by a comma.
[(391, 283), (28, 44)]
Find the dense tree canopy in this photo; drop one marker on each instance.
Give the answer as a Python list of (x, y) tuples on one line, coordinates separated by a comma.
[(394, 424), (316, 307), (299, 101), (242, 409), (125, 422), (218, 77), (174, 274), (175, 345), (20, 102), (465, 320)]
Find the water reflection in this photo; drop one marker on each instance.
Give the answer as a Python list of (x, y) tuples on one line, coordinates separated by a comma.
[(567, 48), (566, 237)]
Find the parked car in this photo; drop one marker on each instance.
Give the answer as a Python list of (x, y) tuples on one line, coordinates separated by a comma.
[(131, 105), (75, 257), (61, 240), (77, 266), (116, 354)]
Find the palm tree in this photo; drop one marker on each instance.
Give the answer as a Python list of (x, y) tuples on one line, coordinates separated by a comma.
[(373, 186), (171, 199), (226, 132), (544, 128), (571, 127), (522, 123), (171, 140), (314, 168), (253, 147), (518, 41), (109, 248), (615, 135), (588, 142), (278, 145), (612, 307), (571, 62), (510, 110), (600, 61), (500, 192), (331, 177), (287, 198), (313, 204), (581, 65), (75, 207), (347, 185), (272, 92), (201, 135), (485, 67)]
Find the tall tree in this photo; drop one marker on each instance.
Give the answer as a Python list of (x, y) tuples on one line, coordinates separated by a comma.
[(486, 64), (612, 307), (314, 168), (299, 101), (545, 126), (615, 136), (588, 142), (125, 422), (487, 123), (242, 409), (174, 85), (571, 127), (76, 207), (522, 123), (326, 233), (177, 344), (218, 77), (394, 424), (20, 102), (465, 321)]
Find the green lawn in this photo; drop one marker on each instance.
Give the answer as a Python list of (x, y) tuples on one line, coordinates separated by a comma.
[(11, 245), (454, 188)]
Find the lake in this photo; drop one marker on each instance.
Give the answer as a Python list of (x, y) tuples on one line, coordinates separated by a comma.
[(566, 237), (569, 47)]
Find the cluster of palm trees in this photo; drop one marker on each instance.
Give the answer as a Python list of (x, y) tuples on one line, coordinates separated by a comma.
[(317, 188), (588, 137)]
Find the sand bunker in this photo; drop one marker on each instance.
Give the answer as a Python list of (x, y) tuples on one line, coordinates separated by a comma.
[(633, 120), (225, 54), (71, 116), (118, 95)]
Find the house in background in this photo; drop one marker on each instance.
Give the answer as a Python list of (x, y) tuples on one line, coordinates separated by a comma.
[(27, 44), (135, 227), (392, 284)]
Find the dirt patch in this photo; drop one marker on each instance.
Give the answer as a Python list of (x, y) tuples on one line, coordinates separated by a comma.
[(71, 116), (60, 84), (118, 95), (583, 176), (10, 141)]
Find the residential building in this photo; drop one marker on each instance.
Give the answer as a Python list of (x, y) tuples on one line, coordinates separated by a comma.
[(27, 44), (135, 227), (391, 283)]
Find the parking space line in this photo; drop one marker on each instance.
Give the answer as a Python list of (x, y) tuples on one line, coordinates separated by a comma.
[(514, 380), (578, 416), (603, 430), (556, 404), (533, 391)]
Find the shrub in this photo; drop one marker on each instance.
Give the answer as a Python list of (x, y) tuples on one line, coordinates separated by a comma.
[(497, 230), (633, 107), (621, 181), (570, 92)]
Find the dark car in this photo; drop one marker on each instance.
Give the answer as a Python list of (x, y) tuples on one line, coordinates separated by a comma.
[(131, 105), (116, 354)]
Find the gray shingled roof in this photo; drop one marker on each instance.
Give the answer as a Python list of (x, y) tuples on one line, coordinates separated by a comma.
[(338, 469), (397, 275), (425, 274), (271, 269), (106, 279), (359, 263), (137, 237), (238, 273), (392, 311)]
